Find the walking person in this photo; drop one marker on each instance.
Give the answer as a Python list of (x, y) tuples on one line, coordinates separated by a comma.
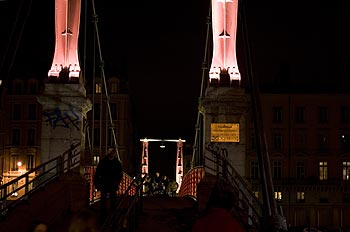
[(107, 178)]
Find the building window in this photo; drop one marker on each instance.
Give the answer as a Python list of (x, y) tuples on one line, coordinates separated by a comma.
[(114, 87), (299, 115), (14, 162), (252, 141), (33, 87), (277, 169), (15, 137), (254, 169), (16, 113), (97, 111), (31, 137), (277, 114), (18, 88), (323, 166), (97, 136), (346, 197), (98, 88), (345, 114), (301, 139), (110, 141), (114, 110), (278, 196), (323, 115), (300, 170), (345, 142), (346, 170), (323, 141), (30, 162), (256, 194), (32, 111), (300, 197), (277, 141)]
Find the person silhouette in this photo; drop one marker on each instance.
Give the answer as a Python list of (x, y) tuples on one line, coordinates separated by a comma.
[(107, 178)]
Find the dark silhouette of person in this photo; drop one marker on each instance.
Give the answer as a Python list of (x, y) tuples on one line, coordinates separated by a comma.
[(107, 178), (218, 216)]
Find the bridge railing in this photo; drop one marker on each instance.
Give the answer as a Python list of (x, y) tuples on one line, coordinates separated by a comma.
[(95, 195), (19, 189), (248, 207), (190, 182)]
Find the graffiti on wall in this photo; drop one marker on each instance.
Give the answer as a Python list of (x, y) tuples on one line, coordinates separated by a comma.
[(59, 118)]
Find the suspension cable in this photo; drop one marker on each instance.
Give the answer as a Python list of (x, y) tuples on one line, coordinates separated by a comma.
[(104, 78), (204, 71)]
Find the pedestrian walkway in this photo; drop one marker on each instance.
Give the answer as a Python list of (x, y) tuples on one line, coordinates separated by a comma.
[(166, 214)]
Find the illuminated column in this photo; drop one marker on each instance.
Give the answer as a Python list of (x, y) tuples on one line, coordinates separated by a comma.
[(65, 65), (144, 158), (224, 25), (179, 163)]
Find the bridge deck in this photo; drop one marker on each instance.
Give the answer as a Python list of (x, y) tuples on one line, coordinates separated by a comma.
[(163, 213)]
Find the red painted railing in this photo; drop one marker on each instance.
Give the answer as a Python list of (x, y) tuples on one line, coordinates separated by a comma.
[(190, 182), (89, 172)]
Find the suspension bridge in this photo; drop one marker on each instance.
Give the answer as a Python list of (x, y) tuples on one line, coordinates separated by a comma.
[(62, 184)]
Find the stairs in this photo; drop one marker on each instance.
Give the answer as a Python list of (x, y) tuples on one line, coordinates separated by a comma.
[(53, 204)]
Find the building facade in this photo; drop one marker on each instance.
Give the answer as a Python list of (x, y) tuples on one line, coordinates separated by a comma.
[(21, 121), (308, 139)]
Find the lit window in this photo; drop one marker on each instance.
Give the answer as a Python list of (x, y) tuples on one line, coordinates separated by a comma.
[(14, 162), (278, 196), (114, 87), (300, 196), (30, 162), (256, 194), (98, 88), (323, 170), (346, 170)]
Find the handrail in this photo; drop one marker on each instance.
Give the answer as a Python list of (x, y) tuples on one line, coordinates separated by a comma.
[(14, 192), (249, 207), (124, 218)]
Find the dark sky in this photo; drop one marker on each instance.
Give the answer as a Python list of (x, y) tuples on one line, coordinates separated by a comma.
[(159, 46)]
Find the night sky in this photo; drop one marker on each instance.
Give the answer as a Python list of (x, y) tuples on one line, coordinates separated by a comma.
[(158, 46)]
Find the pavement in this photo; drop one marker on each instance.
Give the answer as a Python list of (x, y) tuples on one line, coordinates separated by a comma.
[(166, 214)]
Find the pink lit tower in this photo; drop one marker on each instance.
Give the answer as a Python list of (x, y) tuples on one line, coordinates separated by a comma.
[(64, 102), (224, 24), (225, 104), (65, 65)]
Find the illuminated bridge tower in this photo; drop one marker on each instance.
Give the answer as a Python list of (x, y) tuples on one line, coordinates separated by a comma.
[(65, 65), (224, 105), (224, 26), (64, 99)]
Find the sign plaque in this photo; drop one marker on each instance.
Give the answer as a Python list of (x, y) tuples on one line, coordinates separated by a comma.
[(224, 132)]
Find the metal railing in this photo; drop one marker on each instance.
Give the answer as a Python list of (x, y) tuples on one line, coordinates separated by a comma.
[(190, 182), (128, 207), (248, 207), (20, 188)]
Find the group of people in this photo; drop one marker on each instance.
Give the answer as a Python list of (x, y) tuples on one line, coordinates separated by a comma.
[(159, 185)]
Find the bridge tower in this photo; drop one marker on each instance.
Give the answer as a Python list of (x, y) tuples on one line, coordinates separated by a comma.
[(225, 104), (64, 100)]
